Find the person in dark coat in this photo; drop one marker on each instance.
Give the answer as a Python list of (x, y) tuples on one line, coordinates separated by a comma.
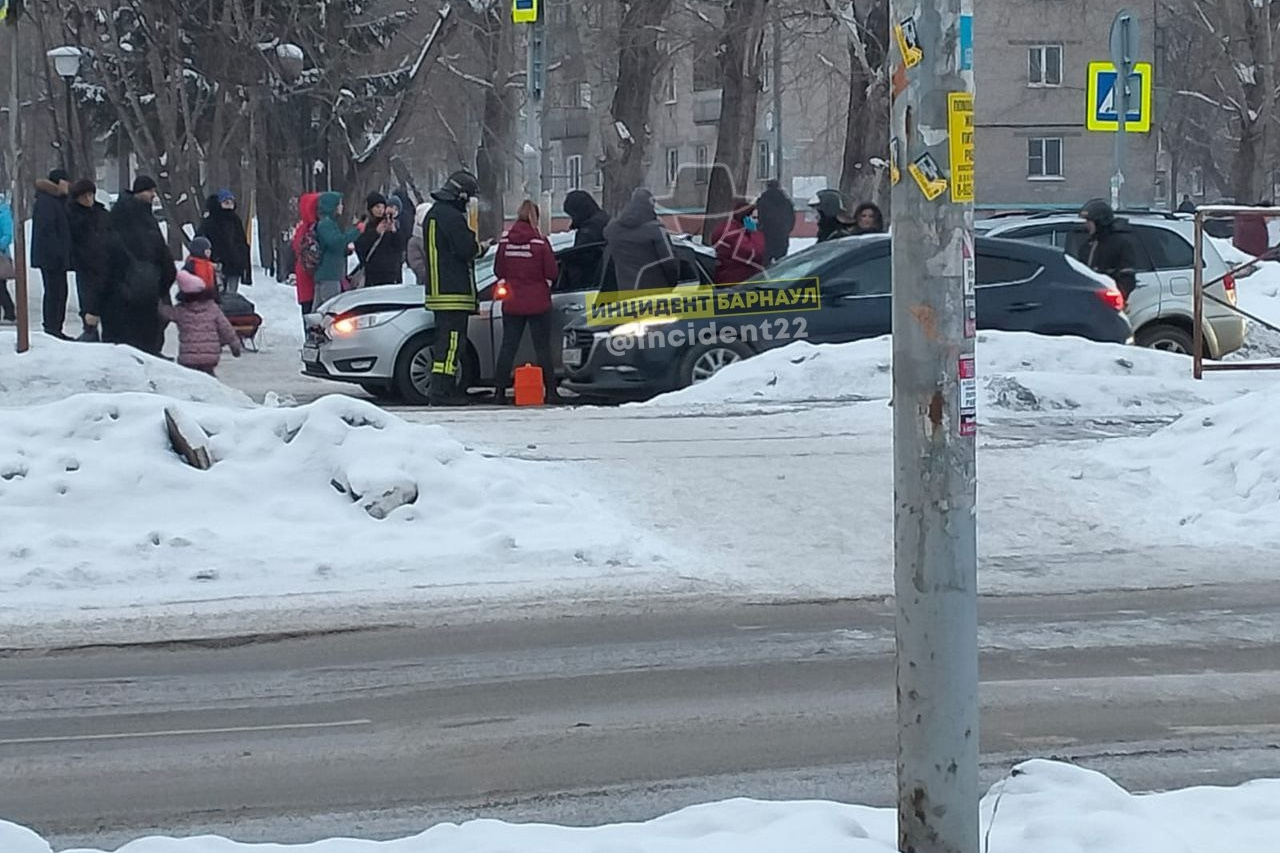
[(88, 222), (868, 219), (51, 247), (586, 218), (140, 272), (640, 247), (452, 249), (833, 222), (526, 264), (1187, 205), (381, 246), (1110, 249), (777, 215), (224, 229)]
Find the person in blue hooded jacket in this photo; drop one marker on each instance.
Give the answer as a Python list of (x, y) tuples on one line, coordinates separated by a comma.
[(334, 243), (7, 310)]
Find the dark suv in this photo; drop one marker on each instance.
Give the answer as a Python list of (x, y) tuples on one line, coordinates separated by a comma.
[(1020, 287)]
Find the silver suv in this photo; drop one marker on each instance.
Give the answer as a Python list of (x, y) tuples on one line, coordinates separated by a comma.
[(1160, 308)]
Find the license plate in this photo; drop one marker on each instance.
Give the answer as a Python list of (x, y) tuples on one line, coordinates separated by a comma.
[(572, 358), (310, 354)]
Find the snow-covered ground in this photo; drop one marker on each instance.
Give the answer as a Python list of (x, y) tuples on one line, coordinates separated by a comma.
[(1259, 294), (1043, 806)]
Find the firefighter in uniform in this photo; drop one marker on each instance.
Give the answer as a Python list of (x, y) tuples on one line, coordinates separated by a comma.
[(452, 249)]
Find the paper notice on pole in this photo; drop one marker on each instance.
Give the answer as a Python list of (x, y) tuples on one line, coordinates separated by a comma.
[(970, 288), (909, 43), (960, 130), (928, 176), (968, 375)]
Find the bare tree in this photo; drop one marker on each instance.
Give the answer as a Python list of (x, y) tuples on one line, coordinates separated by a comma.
[(741, 55), (867, 132)]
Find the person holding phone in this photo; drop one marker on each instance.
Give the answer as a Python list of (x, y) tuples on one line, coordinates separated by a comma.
[(380, 247)]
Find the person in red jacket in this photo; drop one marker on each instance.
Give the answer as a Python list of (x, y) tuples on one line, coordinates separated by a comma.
[(304, 270), (1250, 234), (740, 246), (526, 266)]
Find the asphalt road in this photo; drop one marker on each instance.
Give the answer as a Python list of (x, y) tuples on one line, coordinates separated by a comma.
[(594, 719)]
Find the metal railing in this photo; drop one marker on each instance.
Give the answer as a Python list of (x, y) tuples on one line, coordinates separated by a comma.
[(1199, 364)]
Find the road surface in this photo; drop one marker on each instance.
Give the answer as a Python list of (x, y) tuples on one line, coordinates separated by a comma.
[(584, 720)]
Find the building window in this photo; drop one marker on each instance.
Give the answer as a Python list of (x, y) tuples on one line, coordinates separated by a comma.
[(671, 89), (573, 168), (1044, 158), (673, 166), (766, 71), (764, 162), (584, 95), (1044, 65), (599, 175), (700, 160), (706, 65)]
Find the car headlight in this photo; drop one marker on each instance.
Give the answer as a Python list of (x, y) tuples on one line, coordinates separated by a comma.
[(349, 325), (639, 329)]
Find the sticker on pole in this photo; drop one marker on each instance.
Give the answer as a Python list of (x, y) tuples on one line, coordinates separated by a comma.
[(895, 161), (960, 131), (966, 43), (928, 176), (968, 396), (909, 43), (970, 288)]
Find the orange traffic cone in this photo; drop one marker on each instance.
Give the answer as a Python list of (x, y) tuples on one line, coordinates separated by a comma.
[(530, 390)]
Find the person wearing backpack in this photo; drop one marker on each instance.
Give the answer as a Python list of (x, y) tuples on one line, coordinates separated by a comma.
[(333, 243), (306, 251), (139, 273)]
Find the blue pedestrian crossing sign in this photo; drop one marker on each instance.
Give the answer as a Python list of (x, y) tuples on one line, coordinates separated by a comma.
[(1101, 99)]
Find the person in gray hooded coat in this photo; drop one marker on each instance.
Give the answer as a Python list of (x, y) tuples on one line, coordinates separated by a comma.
[(640, 247)]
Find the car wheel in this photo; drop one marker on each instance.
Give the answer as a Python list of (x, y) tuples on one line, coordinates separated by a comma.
[(701, 363), (412, 381), (380, 391), (1166, 338)]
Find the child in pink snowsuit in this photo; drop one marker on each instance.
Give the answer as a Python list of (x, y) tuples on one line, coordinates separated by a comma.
[(202, 327)]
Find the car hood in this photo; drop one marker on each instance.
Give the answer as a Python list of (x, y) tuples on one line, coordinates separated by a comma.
[(405, 295)]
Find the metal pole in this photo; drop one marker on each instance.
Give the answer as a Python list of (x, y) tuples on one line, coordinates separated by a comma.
[(1121, 140), (72, 159), (15, 197), (1197, 308), (777, 96), (934, 426)]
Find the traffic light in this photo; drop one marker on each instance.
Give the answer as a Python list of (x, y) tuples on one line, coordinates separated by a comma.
[(524, 11)]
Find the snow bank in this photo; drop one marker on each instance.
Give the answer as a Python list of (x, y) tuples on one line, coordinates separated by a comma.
[(1259, 294), (1218, 467), (1018, 372), (336, 496), (1044, 806), (54, 370)]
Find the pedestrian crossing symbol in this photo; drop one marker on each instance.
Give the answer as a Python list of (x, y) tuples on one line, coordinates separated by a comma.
[(1101, 98)]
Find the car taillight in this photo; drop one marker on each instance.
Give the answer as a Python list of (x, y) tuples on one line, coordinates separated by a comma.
[(1229, 285), (1112, 297)]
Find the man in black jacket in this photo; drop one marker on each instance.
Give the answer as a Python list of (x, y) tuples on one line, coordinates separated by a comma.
[(777, 221), (51, 247), (381, 245), (452, 250), (581, 269), (1110, 249), (140, 271), (88, 222), (224, 229)]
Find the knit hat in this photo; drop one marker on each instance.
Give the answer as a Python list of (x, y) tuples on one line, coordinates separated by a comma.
[(57, 176), (83, 186), (190, 283), (374, 200), (201, 247), (225, 196), (143, 183)]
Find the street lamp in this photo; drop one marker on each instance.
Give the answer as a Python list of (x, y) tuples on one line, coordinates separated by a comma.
[(292, 63), (66, 61)]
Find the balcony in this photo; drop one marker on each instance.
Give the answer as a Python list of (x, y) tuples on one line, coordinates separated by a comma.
[(706, 106), (567, 123)]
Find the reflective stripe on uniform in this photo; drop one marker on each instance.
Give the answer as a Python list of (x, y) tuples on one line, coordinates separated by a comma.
[(450, 364), (433, 260)]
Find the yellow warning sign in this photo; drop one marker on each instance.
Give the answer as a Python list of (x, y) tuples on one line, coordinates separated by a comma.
[(960, 128), (909, 43), (928, 176)]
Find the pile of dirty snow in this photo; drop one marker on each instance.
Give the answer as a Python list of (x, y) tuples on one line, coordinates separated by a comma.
[(54, 370), (1259, 294), (1044, 806), (336, 496), (1017, 373)]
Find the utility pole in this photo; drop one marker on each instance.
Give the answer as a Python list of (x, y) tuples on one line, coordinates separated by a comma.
[(934, 426), (529, 12), (13, 13), (1124, 52), (777, 94)]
